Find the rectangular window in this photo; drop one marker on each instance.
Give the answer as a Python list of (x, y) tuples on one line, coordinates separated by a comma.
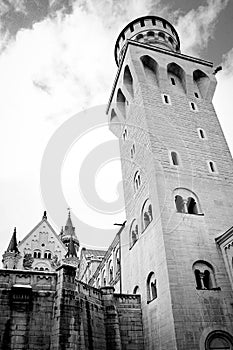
[(166, 99), (173, 81)]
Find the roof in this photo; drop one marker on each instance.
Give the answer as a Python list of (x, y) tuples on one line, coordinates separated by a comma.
[(13, 246), (96, 253)]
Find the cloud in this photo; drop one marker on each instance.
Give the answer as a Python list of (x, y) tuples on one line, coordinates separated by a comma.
[(197, 26)]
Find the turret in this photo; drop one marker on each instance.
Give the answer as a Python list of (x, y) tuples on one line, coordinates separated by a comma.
[(152, 30), (12, 255)]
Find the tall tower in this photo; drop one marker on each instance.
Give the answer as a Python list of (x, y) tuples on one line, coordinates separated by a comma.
[(11, 257), (178, 186)]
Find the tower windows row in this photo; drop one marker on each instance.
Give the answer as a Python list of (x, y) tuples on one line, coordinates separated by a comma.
[(37, 255), (167, 100), (176, 75), (146, 218)]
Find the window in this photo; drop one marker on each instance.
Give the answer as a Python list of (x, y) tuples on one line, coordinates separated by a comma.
[(151, 287), (204, 275), (45, 255), (128, 80), (137, 181), (219, 340), (150, 69), (201, 134), (196, 95), (117, 260), (161, 36), (193, 106), (37, 254), (121, 102), (212, 167), (132, 151), (178, 77), (166, 99), (150, 34), (174, 158), (110, 271), (147, 215), (201, 82), (133, 233), (125, 135), (139, 37), (179, 204), (173, 81), (186, 201)]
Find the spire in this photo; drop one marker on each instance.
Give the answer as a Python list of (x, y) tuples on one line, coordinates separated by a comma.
[(69, 228), (71, 249), (44, 216), (13, 245)]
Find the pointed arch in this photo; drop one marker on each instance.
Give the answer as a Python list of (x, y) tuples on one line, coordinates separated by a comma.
[(128, 80), (146, 214), (204, 275), (121, 102), (151, 69), (177, 76), (201, 82)]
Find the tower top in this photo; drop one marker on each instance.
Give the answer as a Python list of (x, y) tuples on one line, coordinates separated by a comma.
[(151, 30)]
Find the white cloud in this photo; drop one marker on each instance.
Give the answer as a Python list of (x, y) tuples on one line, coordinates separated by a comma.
[(197, 26)]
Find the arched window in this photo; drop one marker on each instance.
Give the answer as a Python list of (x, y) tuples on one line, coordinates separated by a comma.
[(133, 233), (219, 340), (136, 290), (41, 269), (161, 36), (121, 102), (204, 275), (179, 204), (186, 201), (176, 74), (174, 158), (103, 279), (49, 256), (45, 255), (146, 215), (151, 69), (37, 254), (128, 80), (151, 287), (201, 82), (137, 181)]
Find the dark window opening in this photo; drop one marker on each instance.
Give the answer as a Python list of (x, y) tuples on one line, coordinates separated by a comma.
[(166, 100), (196, 94), (152, 34), (153, 290), (173, 81), (207, 280), (201, 132), (193, 106), (212, 168), (192, 206), (174, 158), (198, 279)]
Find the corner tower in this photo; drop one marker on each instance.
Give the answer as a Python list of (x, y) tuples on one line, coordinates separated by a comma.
[(178, 186)]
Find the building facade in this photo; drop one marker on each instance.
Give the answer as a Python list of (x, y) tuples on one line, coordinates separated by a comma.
[(171, 263)]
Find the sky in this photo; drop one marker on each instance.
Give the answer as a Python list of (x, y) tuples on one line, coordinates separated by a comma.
[(56, 73)]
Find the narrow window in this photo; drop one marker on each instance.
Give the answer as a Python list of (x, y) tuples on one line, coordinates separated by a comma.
[(166, 99), (173, 81), (136, 290), (212, 167), (151, 287), (41, 269), (202, 133), (45, 255), (196, 94), (206, 279), (38, 255), (193, 107), (174, 158), (49, 256), (35, 255)]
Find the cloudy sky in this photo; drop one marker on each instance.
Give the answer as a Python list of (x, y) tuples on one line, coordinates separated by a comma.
[(56, 60)]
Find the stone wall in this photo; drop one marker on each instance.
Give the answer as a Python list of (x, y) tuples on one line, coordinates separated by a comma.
[(54, 311)]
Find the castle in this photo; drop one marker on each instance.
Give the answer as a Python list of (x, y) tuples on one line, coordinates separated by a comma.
[(166, 281)]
